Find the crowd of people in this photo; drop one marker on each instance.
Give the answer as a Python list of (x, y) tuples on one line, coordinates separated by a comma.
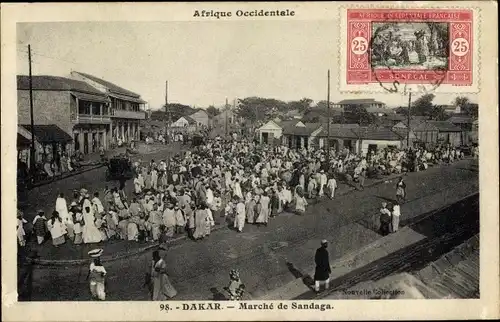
[(238, 183)]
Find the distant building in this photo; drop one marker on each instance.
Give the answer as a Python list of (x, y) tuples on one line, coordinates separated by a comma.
[(220, 119), (452, 109), (184, 121), (297, 134), (341, 136), (269, 131), (432, 133), (63, 104), (293, 114), (184, 124), (364, 102), (127, 107), (200, 117), (448, 133), (375, 138)]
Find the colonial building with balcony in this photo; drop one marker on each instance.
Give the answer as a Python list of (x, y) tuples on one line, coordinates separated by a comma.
[(72, 106), (126, 109)]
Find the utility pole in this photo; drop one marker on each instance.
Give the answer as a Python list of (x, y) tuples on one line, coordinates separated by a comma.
[(167, 111), (226, 111), (409, 118), (32, 150), (329, 120)]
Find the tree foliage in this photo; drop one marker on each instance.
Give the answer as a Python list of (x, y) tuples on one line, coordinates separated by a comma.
[(175, 110), (323, 105), (212, 111), (302, 105), (358, 114), (466, 106), (423, 106)]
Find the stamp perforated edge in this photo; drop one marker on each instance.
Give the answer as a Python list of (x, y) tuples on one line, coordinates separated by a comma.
[(340, 46)]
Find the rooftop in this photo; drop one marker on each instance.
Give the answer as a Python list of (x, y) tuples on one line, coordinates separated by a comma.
[(56, 83), (445, 126), (111, 87), (460, 119), (359, 101), (377, 133)]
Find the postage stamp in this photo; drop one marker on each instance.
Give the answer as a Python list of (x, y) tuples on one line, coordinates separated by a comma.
[(196, 162), (386, 49)]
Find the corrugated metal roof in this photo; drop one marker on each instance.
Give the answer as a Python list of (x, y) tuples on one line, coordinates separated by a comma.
[(299, 130), (287, 123), (445, 126), (340, 131), (112, 87), (127, 98), (460, 119), (377, 133), (49, 133), (56, 83), (90, 97), (359, 101)]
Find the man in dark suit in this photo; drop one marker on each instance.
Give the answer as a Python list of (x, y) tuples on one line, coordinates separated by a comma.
[(323, 270)]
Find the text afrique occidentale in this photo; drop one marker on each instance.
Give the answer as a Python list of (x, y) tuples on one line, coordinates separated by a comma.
[(243, 13)]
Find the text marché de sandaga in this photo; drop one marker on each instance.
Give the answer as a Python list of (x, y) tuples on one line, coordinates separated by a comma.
[(243, 13)]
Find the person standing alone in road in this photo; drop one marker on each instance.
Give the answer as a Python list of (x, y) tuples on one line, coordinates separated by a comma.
[(401, 191), (396, 212), (97, 274), (323, 270)]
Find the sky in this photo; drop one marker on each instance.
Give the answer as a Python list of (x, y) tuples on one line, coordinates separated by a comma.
[(204, 62)]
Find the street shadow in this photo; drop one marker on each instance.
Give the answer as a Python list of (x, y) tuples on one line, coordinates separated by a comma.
[(463, 214), (306, 279), (411, 258), (217, 295), (387, 199), (471, 168)]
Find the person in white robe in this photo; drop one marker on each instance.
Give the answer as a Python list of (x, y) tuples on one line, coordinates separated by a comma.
[(210, 196), (97, 274), (160, 285), (20, 229), (62, 209), (57, 229), (237, 189), (90, 232), (154, 179), (331, 186), (239, 221), (96, 202), (300, 204), (322, 182)]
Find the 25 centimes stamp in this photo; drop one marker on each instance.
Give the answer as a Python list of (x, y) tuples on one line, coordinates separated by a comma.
[(393, 50)]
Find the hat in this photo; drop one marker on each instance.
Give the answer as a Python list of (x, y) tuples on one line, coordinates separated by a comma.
[(324, 242), (83, 191), (322, 171), (95, 253)]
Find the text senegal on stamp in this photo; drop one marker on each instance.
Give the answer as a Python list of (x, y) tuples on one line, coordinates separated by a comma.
[(409, 46)]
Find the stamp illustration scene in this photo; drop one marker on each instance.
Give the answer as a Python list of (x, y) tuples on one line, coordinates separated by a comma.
[(157, 162)]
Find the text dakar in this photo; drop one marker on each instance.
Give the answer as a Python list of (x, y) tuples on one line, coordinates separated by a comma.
[(201, 306)]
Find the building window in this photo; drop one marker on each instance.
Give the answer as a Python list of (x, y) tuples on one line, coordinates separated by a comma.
[(105, 109), (84, 107), (96, 108)]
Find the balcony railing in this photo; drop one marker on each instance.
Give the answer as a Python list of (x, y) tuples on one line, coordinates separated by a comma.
[(92, 119), (138, 115)]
